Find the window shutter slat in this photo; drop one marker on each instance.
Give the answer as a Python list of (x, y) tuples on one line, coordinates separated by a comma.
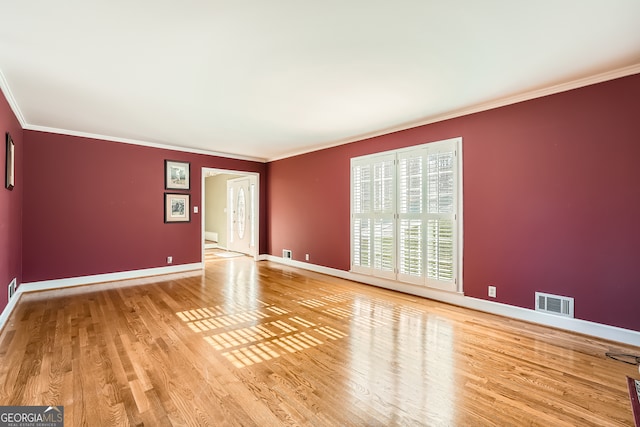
[(411, 260), (361, 242), (440, 249), (410, 185), (383, 186), (383, 245)]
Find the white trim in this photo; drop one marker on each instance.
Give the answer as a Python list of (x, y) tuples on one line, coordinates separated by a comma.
[(599, 330), (4, 87), (108, 277), (141, 143), (46, 285), (501, 102), (538, 93), (460, 218), (8, 309), (211, 235), (255, 219)]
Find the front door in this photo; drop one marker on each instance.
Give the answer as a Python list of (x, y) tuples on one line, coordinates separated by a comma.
[(240, 194)]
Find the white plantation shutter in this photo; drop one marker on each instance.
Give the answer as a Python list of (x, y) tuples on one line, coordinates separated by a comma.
[(441, 217), (410, 215), (405, 214), (383, 245), (411, 251), (440, 249), (383, 216), (361, 221), (362, 242), (373, 223), (383, 183), (361, 177)]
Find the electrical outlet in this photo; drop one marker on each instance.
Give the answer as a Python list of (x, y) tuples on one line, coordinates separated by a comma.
[(492, 291), (169, 260), (306, 257)]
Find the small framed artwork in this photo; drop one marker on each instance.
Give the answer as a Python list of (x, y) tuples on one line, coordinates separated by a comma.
[(10, 180), (176, 175), (177, 207)]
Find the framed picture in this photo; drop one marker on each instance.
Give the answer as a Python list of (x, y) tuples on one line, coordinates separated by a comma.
[(10, 180), (176, 175), (177, 207)]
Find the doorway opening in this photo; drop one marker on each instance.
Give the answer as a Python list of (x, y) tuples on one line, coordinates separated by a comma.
[(230, 211)]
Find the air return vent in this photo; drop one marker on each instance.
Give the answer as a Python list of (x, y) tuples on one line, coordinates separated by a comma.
[(554, 304), (286, 254)]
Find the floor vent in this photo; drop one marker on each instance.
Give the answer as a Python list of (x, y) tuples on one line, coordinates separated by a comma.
[(286, 254), (554, 304)]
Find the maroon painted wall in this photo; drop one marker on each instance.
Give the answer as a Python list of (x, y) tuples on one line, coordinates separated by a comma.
[(551, 199), (10, 204), (94, 207)]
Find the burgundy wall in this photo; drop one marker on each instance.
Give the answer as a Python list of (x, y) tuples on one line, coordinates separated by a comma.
[(551, 199), (94, 207), (10, 204)]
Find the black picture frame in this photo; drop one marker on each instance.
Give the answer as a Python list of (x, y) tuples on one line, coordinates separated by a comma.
[(177, 208), (177, 175), (10, 175)]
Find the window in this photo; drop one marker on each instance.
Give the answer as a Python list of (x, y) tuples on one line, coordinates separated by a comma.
[(406, 215)]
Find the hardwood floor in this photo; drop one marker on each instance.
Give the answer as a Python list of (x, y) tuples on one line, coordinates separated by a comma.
[(263, 344)]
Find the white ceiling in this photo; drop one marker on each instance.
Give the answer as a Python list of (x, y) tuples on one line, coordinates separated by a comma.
[(269, 79)]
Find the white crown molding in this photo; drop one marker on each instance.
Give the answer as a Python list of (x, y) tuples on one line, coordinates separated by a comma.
[(4, 86), (538, 93), (502, 102), (606, 332), (141, 143)]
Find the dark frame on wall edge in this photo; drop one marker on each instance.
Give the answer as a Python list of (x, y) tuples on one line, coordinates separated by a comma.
[(10, 176)]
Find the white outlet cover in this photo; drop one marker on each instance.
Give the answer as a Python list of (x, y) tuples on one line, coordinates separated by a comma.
[(492, 291)]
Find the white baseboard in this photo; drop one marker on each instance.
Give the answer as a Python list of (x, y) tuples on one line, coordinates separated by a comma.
[(211, 235), (108, 277), (4, 316), (599, 330), (89, 280)]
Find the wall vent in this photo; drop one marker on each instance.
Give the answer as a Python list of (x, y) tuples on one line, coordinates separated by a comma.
[(554, 304), (286, 254)]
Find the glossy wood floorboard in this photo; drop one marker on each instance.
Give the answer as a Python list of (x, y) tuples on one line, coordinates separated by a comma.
[(261, 344)]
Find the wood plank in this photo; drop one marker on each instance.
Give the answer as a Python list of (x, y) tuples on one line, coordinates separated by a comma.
[(246, 343)]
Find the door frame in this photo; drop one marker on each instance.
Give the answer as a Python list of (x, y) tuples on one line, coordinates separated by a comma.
[(256, 219)]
